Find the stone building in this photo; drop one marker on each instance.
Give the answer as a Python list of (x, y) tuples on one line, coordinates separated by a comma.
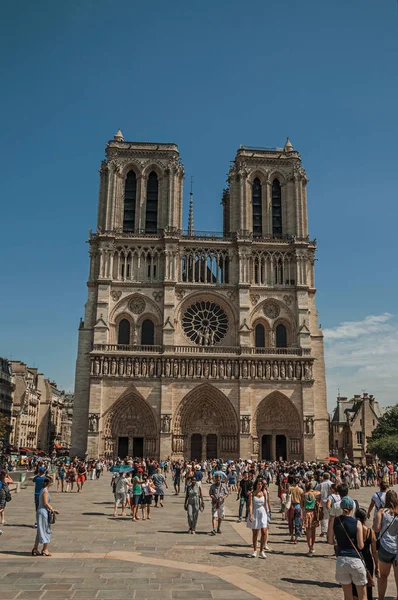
[(352, 423), (26, 402), (66, 420), (6, 389), (200, 344), (50, 415)]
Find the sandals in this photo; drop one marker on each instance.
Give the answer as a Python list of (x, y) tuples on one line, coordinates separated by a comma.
[(43, 553), (35, 552)]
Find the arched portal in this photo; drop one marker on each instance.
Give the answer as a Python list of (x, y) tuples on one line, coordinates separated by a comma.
[(208, 413), (129, 427), (277, 429)]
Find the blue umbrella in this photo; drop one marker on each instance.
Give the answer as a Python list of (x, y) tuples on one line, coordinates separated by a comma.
[(121, 469)]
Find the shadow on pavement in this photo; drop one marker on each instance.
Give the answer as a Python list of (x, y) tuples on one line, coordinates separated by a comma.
[(323, 584)]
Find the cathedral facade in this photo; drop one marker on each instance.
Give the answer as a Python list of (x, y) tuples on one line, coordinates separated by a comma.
[(200, 344)]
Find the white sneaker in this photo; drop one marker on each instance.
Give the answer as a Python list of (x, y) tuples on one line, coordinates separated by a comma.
[(254, 555), (262, 554), (267, 548)]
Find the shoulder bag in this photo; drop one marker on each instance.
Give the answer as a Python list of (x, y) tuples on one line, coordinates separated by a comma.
[(371, 581)]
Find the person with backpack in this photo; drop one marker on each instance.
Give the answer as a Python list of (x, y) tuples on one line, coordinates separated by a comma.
[(378, 499), (312, 515), (386, 524)]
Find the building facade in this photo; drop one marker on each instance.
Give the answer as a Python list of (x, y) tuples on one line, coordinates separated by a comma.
[(6, 390), (26, 402), (200, 344), (352, 423), (66, 421), (50, 416)]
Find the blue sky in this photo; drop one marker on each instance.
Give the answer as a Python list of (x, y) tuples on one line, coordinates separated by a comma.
[(209, 76)]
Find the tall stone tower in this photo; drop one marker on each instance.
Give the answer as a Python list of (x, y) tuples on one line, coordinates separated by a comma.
[(200, 344)]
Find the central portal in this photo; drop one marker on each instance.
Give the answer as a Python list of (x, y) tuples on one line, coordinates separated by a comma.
[(138, 447), (196, 446), (266, 447), (211, 446), (281, 447)]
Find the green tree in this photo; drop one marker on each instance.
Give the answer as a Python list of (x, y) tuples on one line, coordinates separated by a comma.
[(388, 424), (4, 428), (384, 439)]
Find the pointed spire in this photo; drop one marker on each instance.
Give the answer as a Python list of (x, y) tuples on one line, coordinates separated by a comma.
[(288, 146), (118, 136), (190, 214)]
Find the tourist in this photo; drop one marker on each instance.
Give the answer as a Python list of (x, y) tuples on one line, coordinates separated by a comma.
[(193, 503), (296, 504), (257, 520), (60, 477), (148, 490), (324, 489), (198, 475), (218, 492), (38, 480), (312, 511), (43, 535), (81, 475), (121, 486), (70, 477), (386, 523), (369, 554), (245, 487), (137, 493), (378, 500), (159, 481), (348, 533), (5, 496), (232, 479), (177, 477)]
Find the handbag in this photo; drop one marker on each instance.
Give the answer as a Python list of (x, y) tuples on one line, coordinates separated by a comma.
[(371, 581), (51, 517)]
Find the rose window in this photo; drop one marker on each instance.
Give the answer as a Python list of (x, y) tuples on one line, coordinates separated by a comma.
[(205, 323)]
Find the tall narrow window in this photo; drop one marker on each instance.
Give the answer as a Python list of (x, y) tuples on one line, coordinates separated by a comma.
[(130, 193), (276, 209), (257, 208), (259, 334), (123, 336), (147, 333), (152, 191), (281, 336)]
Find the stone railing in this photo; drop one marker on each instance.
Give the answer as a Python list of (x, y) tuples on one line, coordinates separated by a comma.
[(256, 368), (195, 350)]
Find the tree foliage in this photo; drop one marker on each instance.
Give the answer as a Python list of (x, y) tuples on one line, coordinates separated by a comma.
[(386, 447), (388, 424), (4, 428), (384, 439)]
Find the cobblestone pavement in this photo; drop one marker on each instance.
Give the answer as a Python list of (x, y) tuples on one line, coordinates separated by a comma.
[(97, 556)]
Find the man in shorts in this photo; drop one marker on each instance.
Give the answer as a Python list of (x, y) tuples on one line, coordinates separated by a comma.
[(218, 492), (121, 489), (81, 475)]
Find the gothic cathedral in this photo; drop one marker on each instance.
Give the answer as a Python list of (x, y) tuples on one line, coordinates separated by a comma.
[(201, 344)]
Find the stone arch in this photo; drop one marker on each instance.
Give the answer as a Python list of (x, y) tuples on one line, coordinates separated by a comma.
[(130, 416), (276, 417), (130, 166), (205, 410)]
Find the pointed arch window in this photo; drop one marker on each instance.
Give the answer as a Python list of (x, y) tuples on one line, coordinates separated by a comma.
[(147, 333), (152, 192), (257, 207), (259, 336), (130, 194), (281, 336), (276, 208), (123, 335)]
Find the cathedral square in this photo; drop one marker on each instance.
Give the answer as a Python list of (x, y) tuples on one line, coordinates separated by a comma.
[(201, 344)]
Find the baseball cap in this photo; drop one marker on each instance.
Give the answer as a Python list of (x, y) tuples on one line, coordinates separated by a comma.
[(347, 503), (140, 470)]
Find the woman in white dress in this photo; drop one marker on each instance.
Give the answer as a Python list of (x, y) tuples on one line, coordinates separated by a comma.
[(257, 519)]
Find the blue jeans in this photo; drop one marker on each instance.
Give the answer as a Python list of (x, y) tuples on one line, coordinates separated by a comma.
[(242, 502)]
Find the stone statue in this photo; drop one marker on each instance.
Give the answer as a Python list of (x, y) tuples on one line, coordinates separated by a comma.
[(190, 369), (206, 369), (290, 370), (260, 370), (120, 366), (166, 424), (275, 371), (244, 369), (113, 366), (96, 366), (167, 368), (144, 368), (105, 367), (307, 371), (175, 368), (229, 368), (198, 368), (283, 371), (183, 368), (93, 423), (136, 368), (267, 370), (298, 371), (221, 369), (151, 368), (128, 367), (214, 369)]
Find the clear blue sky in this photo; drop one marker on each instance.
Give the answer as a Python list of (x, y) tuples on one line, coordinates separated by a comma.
[(209, 76)]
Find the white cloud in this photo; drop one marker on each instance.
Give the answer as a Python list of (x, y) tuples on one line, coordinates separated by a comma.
[(363, 355)]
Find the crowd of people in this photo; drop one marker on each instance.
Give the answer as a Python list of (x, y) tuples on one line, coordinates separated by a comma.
[(313, 499)]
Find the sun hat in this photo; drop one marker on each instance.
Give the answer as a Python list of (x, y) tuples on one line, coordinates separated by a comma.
[(347, 503)]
